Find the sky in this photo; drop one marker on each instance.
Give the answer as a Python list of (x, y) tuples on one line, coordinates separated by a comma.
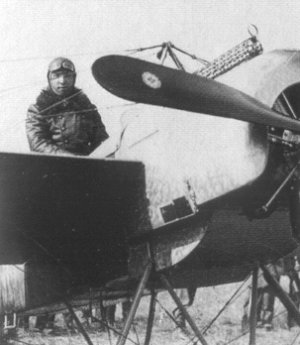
[(32, 32)]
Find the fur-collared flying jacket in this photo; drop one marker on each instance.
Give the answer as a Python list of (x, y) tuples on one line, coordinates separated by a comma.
[(64, 125)]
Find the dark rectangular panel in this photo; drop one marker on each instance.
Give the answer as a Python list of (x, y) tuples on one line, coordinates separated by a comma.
[(77, 212)]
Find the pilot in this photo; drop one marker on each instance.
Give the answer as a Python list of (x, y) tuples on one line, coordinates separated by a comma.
[(63, 120)]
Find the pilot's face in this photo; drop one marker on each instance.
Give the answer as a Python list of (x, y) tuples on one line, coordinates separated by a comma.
[(62, 82)]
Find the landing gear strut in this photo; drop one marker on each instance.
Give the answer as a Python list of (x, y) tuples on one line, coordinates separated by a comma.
[(137, 297), (253, 310)]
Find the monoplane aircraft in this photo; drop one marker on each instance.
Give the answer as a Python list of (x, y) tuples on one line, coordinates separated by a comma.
[(203, 188)]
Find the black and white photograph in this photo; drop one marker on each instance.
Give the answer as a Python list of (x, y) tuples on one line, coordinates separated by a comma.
[(149, 172)]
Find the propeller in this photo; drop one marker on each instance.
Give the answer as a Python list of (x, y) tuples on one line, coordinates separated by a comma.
[(144, 82)]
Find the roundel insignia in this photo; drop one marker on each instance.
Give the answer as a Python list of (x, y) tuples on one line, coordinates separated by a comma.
[(151, 80)]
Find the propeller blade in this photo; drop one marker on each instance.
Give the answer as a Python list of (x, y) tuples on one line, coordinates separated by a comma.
[(144, 82)]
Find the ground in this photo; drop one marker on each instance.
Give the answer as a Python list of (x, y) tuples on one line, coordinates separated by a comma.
[(208, 301)]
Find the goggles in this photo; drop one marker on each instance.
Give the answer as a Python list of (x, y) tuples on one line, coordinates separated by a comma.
[(61, 64), (57, 74)]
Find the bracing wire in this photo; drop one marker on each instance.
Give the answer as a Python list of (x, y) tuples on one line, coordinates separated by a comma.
[(136, 334), (228, 302), (295, 338), (15, 124), (247, 331), (17, 88), (192, 340), (234, 296), (171, 317)]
